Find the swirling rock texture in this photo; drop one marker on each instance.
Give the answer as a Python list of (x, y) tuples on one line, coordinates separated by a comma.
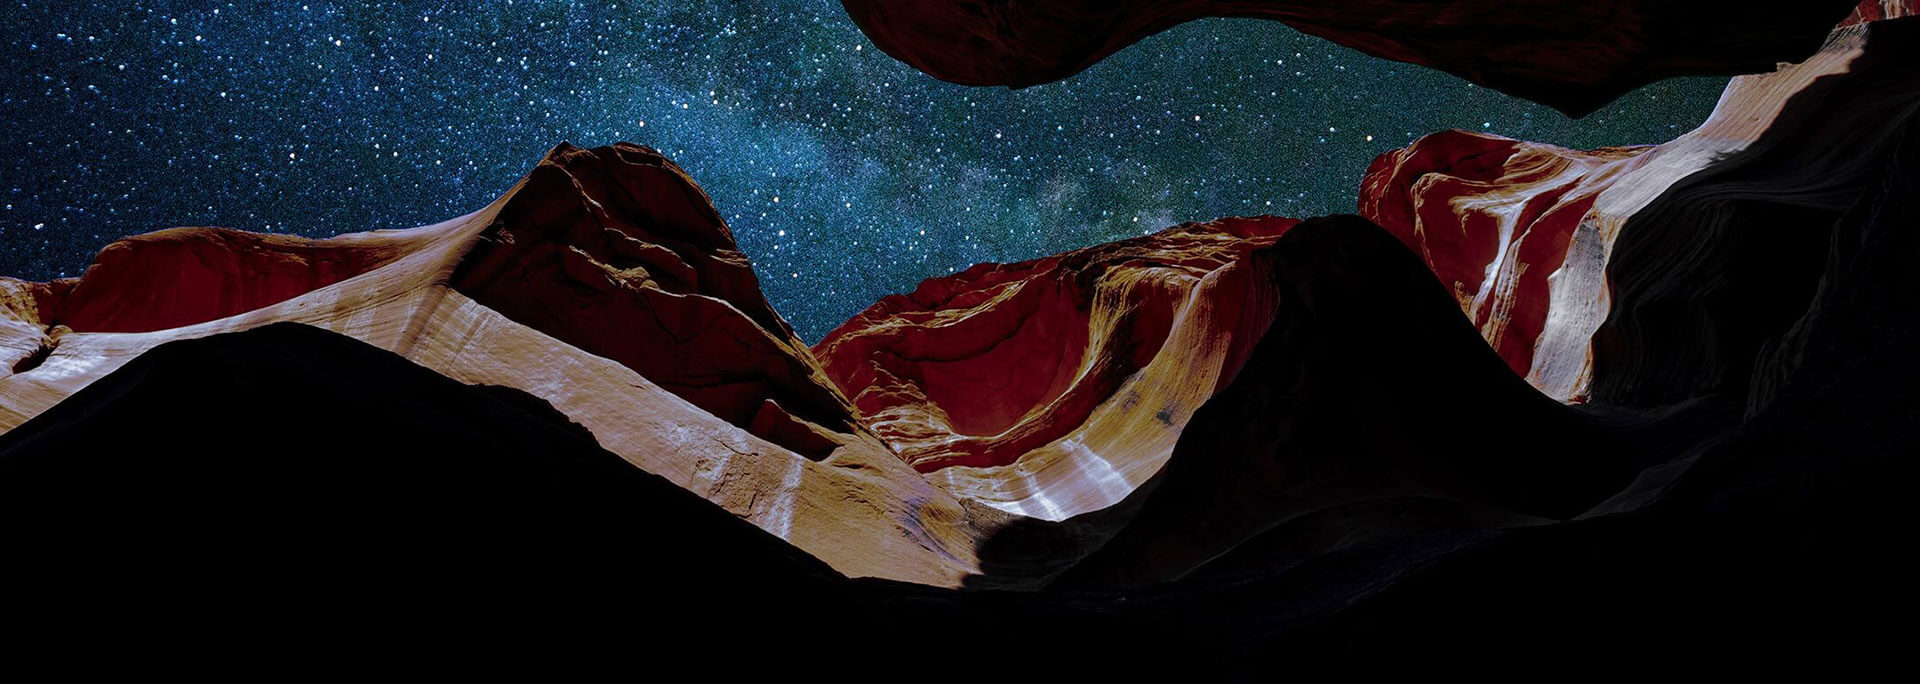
[(1523, 233), (1326, 427), (617, 252), (1728, 260), (1877, 10), (1575, 56), (1668, 422), (604, 283), (1056, 386)]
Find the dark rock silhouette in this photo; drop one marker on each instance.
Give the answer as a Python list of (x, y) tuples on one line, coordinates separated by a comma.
[(1359, 478), (293, 478), (1575, 56)]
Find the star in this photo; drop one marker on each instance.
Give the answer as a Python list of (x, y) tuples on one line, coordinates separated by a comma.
[(322, 119)]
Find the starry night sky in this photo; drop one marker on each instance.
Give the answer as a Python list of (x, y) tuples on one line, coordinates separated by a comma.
[(845, 175)]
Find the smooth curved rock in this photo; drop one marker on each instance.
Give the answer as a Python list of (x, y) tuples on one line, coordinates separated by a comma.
[(616, 251), (1029, 411), (1771, 532), (1572, 55), (1877, 10), (1523, 233), (1726, 262), (179, 277), (1493, 218), (604, 284), (1357, 399), (1364, 480), (1053, 387), (285, 483)]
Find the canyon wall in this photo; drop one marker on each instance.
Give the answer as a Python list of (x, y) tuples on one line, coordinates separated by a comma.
[(1207, 401)]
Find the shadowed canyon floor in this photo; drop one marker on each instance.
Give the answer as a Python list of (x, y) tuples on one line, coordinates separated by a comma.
[(1555, 403)]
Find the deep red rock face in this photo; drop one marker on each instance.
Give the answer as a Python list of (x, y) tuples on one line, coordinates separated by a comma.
[(1523, 234), (1354, 400), (184, 276), (982, 367), (1570, 54), (604, 284), (1160, 403), (616, 251), (1877, 10), (1494, 218)]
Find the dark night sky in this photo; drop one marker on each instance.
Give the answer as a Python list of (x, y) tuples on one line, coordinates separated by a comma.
[(844, 174)]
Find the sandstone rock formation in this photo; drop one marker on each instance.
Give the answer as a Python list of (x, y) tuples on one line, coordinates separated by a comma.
[(1523, 233), (1043, 391), (1670, 423), (1753, 299), (604, 284), (273, 488), (1352, 408), (1056, 386), (1707, 279), (617, 252), (1877, 10), (1575, 56)]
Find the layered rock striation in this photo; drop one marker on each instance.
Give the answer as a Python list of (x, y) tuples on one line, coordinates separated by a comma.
[(604, 284), (1056, 386), (1524, 234), (1564, 402)]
